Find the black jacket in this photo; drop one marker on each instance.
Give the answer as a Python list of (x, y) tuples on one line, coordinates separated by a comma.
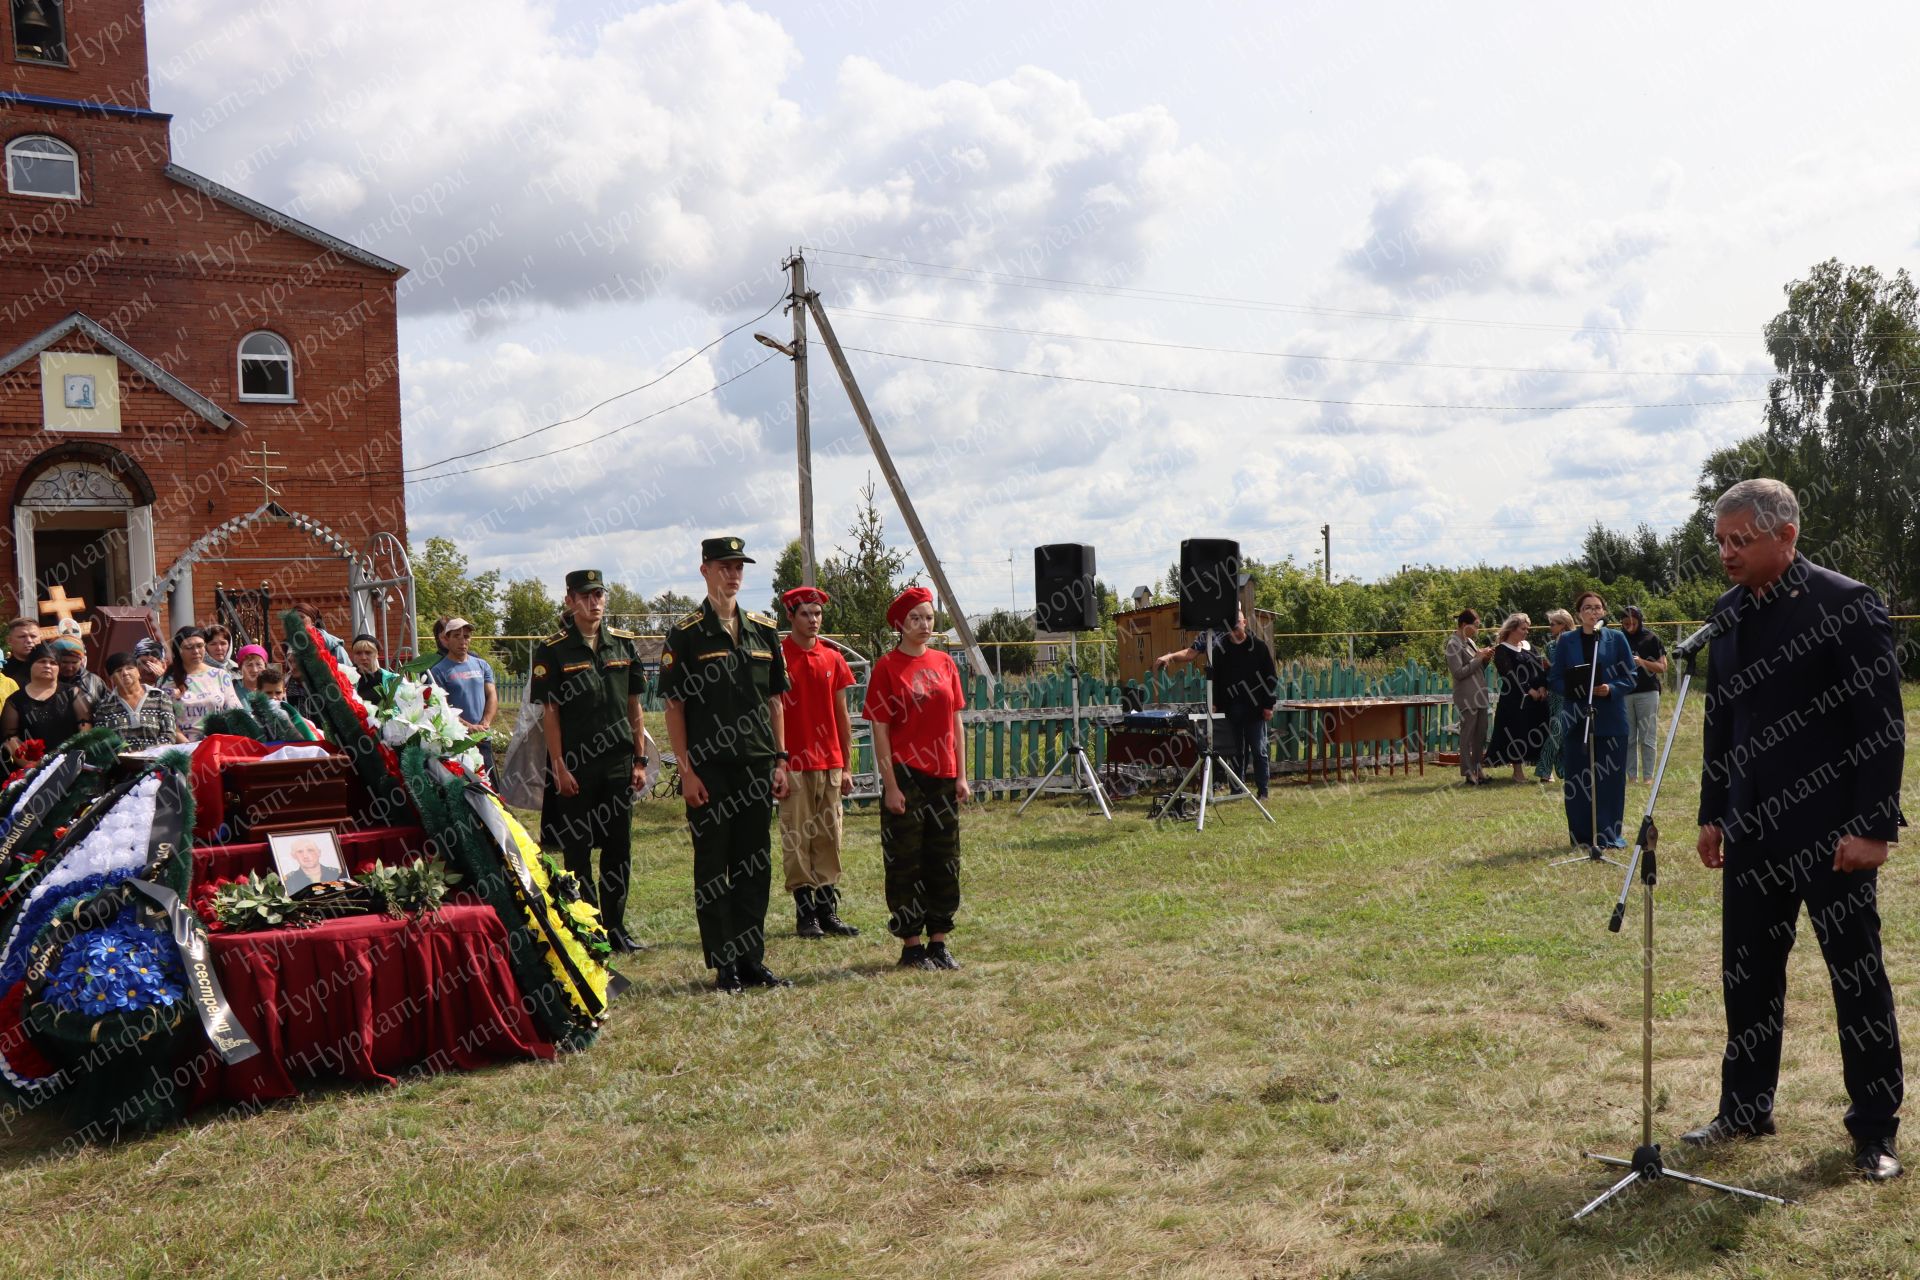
[(1805, 734), (1244, 678)]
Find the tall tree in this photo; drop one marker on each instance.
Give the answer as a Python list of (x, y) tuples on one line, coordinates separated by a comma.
[(1008, 638), (443, 588), (1641, 555), (527, 611), (626, 607), (787, 571), (1843, 420), (863, 580)]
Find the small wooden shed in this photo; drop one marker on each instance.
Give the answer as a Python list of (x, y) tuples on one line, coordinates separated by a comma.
[(1144, 634)]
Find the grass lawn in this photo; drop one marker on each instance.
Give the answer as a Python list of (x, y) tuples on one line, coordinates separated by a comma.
[(1370, 1040)]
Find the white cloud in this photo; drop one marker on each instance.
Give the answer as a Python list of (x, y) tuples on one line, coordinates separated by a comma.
[(1437, 229), (477, 144)]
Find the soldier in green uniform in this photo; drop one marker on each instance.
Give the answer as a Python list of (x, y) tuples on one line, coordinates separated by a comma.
[(722, 675), (587, 677)]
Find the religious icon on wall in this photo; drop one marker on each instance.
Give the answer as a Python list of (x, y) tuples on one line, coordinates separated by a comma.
[(79, 391)]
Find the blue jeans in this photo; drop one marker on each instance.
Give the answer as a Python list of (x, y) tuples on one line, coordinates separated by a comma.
[(1643, 733)]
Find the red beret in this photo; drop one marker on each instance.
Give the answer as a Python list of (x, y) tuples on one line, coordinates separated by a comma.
[(905, 603), (794, 597)]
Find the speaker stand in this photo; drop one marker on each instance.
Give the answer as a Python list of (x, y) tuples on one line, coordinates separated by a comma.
[(1204, 764), (1085, 779)]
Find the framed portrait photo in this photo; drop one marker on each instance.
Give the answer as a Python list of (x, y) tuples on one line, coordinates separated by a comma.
[(307, 858)]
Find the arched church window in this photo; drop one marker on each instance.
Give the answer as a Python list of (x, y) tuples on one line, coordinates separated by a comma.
[(266, 367), (41, 166)]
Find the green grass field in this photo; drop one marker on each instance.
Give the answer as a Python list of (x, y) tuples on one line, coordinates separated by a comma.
[(1371, 1040)]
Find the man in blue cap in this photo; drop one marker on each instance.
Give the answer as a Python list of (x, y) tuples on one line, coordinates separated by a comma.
[(586, 677)]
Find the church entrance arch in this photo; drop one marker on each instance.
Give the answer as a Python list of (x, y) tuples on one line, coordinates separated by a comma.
[(82, 523)]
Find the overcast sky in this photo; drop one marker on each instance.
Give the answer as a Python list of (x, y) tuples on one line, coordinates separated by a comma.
[(1582, 210)]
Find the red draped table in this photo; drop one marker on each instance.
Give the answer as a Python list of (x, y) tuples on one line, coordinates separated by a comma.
[(363, 998)]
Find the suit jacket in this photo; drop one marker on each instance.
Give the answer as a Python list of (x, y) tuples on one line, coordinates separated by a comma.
[(1805, 733), (1614, 656), (1469, 674)]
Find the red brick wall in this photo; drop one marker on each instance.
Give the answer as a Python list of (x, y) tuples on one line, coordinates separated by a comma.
[(106, 52), (183, 278)]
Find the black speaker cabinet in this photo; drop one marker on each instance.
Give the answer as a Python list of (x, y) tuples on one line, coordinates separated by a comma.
[(1064, 598), (1209, 583)]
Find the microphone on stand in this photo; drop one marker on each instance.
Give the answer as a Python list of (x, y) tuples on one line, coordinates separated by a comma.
[(1693, 644)]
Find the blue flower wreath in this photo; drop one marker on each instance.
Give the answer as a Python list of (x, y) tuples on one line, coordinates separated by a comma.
[(118, 969)]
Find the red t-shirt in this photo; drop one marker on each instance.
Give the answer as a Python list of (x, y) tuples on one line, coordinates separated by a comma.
[(815, 678), (916, 699)]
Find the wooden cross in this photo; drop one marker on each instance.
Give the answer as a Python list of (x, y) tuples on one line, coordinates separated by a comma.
[(267, 492), (63, 607)]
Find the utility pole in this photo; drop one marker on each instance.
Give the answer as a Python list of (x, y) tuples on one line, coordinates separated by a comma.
[(1326, 557), (802, 426), (976, 659)]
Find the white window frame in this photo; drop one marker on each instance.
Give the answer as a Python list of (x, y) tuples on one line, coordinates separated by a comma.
[(50, 146), (240, 367)]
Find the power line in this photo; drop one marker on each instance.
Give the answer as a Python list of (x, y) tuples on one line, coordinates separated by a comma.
[(1319, 400), (528, 435), (900, 318), (514, 462), (1055, 284)]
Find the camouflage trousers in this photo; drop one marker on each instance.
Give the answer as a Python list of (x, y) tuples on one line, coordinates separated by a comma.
[(921, 852)]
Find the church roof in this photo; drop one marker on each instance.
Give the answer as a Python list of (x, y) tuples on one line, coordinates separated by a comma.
[(274, 218), (80, 322)]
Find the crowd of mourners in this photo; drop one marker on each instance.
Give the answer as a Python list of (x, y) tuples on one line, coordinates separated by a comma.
[(157, 694)]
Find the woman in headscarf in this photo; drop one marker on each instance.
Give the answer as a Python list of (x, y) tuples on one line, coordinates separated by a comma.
[(914, 701)]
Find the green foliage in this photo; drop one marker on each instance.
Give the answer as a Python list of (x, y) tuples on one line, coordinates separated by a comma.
[(254, 902), (863, 580), (1843, 421), (415, 887), (625, 604), (787, 573), (1015, 633), (443, 588), (1642, 555), (526, 610)]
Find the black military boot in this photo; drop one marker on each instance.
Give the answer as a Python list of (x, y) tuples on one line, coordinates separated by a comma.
[(826, 913), (806, 913)]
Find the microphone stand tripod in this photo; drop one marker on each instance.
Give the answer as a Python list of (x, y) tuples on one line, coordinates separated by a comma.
[(1205, 760), (1084, 776), (1645, 1164), (1594, 853)]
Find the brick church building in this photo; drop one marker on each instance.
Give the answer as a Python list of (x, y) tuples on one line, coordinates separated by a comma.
[(167, 346)]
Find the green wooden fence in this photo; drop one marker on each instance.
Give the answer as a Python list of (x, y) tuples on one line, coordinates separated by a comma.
[(1007, 750)]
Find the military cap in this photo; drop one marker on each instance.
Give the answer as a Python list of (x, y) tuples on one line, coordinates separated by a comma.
[(586, 580), (724, 549)]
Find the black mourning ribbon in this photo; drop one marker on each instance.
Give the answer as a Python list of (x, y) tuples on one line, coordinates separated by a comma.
[(49, 793), (224, 1032)]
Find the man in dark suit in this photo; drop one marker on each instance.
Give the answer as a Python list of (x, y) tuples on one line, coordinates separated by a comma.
[(1805, 740)]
